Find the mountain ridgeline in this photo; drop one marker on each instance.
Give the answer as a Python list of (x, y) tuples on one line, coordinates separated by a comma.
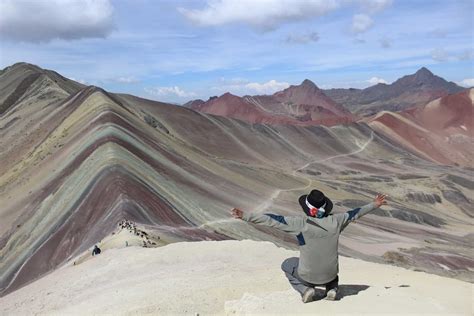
[(306, 104), (406, 92), (78, 160), (300, 105)]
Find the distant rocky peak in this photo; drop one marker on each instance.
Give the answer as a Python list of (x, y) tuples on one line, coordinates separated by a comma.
[(424, 70), (308, 83), (307, 87), (424, 74), (22, 66), (228, 96), (193, 103)]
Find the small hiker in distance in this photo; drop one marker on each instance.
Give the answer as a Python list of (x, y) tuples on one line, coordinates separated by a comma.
[(318, 233), (96, 250)]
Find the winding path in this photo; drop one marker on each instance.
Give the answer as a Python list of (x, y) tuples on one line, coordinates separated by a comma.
[(267, 203)]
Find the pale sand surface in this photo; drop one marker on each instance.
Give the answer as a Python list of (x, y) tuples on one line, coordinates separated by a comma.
[(227, 277)]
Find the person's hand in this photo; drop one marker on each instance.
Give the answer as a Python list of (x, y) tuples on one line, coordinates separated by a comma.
[(380, 200), (236, 213)]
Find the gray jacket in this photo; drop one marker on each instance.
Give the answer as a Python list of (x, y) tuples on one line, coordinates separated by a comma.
[(318, 239)]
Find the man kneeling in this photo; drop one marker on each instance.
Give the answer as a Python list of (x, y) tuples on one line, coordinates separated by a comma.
[(318, 233)]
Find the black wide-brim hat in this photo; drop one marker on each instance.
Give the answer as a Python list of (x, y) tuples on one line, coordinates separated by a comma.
[(317, 199)]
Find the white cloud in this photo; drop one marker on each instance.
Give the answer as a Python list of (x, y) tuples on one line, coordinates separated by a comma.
[(376, 80), (361, 23), (43, 21), (169, 91), (126, 80), (269, 87), (302, 38), (469, 82), (263, 15), (439, 54), (241, 86)]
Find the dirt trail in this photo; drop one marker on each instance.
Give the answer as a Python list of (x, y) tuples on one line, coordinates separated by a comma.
[(267, 203)]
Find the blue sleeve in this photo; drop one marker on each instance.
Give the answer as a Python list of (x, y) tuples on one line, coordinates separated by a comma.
[(290, 224), (354, 214)]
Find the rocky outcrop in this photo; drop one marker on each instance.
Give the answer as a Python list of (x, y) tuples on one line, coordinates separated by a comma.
[(411, 215), (420, 197)]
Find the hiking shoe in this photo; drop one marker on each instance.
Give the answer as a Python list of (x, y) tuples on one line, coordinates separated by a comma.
[(308, 295), (331, 294)]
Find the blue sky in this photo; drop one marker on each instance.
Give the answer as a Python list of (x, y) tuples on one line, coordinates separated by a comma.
[(176, 51)]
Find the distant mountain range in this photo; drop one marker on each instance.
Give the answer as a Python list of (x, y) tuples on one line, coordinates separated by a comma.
[(408, 91), (77, 160), (306, 104)]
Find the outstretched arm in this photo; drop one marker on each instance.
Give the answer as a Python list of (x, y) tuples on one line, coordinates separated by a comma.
[(290, 224), (357, 213)]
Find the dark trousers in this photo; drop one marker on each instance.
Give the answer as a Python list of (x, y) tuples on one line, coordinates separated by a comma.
[(290, 267)]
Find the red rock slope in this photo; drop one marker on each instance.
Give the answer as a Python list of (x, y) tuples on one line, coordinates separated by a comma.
[(302, 105), (440, 130)]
